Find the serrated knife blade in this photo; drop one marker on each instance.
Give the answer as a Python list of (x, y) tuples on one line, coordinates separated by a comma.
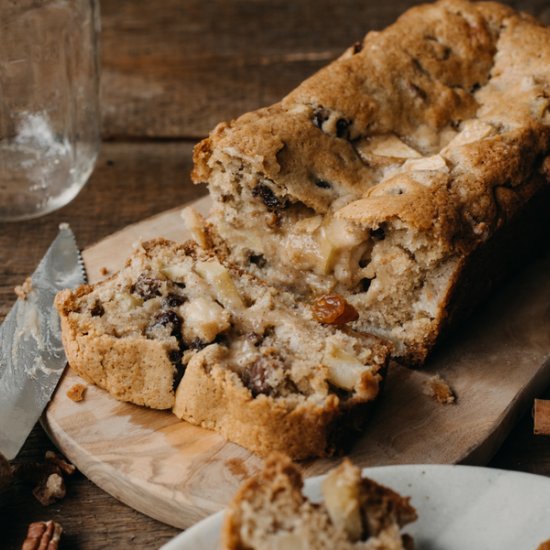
[(32, 359)]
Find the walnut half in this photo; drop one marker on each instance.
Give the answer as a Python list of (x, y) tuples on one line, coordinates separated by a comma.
[(43, 535)]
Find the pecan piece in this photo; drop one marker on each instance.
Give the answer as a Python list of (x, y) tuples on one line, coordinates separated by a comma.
[(66, 467), (50, 489), (43, 535), (333, 309)]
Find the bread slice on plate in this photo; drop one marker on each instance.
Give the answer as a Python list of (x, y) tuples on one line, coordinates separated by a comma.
[(179, 327), (409, 175), (269, 512)]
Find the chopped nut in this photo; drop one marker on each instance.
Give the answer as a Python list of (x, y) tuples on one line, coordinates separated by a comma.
[(204, 319), (43, 535), (196, 225), (23, 291), (47, 477), (439, 389), (66, 467), (344, 370), (220, 279), (391, 146), (50, 490), (76, 392), (333, 309), (541, 414)]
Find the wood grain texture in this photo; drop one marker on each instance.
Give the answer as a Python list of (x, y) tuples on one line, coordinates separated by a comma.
[(178, 473), (156, 83), (125, 188), (178, 67)]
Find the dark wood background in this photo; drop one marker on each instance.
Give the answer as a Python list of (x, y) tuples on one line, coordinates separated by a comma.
[(172, 69)]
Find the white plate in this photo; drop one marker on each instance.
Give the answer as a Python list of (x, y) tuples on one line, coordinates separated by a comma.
[(459, 508)]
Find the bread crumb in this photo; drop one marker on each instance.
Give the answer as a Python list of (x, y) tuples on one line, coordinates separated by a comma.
[(23, 291), (104, 271), (237, 467), (439, 389), (76, 392)]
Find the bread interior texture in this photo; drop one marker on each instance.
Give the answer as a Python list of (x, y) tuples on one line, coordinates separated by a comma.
[(380, 185)]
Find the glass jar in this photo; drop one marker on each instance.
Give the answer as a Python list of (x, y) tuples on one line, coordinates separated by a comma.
[(49, 103)]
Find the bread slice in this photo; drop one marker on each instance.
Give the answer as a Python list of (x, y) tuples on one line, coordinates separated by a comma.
[(269, 512), (408, 175), (181, 328)]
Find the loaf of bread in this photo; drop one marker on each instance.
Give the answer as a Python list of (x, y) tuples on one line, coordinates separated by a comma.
[(409, 175), (178, 327), (270, 512)]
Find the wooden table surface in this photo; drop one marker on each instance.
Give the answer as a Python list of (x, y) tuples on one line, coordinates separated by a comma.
[(171, 70)]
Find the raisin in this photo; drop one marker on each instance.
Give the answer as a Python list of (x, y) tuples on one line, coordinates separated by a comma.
[(168, 319), (175, 356), (97, 310), (147, 287), (173, 300), (222, 340), (378, 234), (342, 128), (475, 88), (323, 184), (268, 197), (364, 284), (333, 309), (257, 259), (357, 47), (255, 377)]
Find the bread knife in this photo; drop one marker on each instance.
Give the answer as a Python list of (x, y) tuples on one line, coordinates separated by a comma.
[(32, 359)]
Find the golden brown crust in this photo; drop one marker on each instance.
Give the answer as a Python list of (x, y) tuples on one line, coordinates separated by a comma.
[(249, 361), (464, 85), (215, 398), (131, 370)]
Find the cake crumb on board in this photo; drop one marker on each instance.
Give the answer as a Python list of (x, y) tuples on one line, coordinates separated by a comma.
[(237, 467), (440, 390), (77, 392)]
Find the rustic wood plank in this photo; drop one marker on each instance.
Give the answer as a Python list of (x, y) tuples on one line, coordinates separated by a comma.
[(178, 68)]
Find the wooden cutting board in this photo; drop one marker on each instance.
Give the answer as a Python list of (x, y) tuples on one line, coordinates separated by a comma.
[(178, 473)]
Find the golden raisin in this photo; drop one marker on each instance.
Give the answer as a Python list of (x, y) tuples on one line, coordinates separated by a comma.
[(333, 309)]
